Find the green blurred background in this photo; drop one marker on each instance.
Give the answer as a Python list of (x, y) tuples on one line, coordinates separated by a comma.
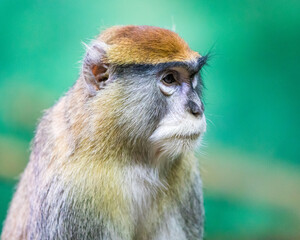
[(250, 160)]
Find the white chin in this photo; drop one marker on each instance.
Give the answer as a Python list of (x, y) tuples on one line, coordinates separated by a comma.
[(172, 147), (172, 138)]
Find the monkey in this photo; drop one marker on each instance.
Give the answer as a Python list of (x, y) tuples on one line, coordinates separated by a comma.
[(113, 159)]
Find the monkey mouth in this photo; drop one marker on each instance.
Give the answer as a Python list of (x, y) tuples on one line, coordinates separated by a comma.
[(176, 144), (193, 136)]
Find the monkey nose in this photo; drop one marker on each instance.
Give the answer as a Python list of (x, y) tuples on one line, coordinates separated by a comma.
[(195, 109)]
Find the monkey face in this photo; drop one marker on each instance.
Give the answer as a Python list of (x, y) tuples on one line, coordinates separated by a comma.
[(148, 104), (161, 106), (184, 122)]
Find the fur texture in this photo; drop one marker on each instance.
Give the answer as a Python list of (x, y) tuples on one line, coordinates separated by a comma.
[(145, 45), (95, 171)]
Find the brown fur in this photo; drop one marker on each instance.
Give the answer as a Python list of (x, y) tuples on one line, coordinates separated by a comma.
[(145, 45)]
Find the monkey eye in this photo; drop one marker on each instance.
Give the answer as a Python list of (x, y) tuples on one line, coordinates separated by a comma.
[(168, 83), (169, 79)]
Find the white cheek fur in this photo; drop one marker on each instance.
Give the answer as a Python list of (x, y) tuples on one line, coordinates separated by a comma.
[(177, 133), (180, 126)]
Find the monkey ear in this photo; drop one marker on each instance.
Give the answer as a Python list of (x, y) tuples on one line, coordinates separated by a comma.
[(94, 69)]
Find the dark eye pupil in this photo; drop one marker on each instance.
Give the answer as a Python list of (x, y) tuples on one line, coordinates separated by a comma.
[(169, 79)]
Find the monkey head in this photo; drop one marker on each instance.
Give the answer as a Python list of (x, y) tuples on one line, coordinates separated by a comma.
[(144, 85)]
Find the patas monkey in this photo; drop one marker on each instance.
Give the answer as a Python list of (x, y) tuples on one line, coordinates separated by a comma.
[(113, 158)]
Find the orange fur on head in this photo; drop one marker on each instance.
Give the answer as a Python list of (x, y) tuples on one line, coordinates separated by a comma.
[(144, 45)]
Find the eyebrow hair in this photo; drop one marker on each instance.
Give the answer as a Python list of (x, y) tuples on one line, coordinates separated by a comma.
[(201, 61), (191, 66)]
